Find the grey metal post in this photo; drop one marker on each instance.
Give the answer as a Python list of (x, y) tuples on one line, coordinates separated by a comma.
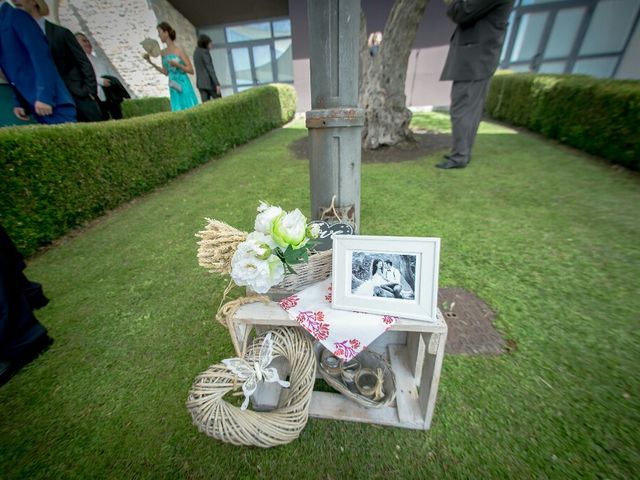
[(335, 121)]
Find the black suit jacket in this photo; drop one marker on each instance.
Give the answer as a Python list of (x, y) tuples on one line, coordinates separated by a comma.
[(476, 43), (72, 63), (116, 93), (206, 78)]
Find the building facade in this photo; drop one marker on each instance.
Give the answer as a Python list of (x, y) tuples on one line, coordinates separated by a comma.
[(260, 42), (592, 37)]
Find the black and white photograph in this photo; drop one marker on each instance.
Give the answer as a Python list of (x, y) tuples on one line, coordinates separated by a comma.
[(375, 274), (396, 276)]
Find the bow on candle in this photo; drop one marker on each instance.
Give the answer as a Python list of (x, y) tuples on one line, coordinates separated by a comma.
[(252, 374)]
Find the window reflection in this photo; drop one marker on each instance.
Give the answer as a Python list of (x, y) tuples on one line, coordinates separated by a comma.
[(610, 26), (252, 54)]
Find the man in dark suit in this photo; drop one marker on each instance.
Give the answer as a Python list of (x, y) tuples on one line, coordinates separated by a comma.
[(72, 63), (206, 79), (26, 61), (473, 57)]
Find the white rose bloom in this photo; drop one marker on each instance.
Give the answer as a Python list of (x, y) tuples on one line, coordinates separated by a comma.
[(264, 219), (290, 229), (249, 270), (259, 238)]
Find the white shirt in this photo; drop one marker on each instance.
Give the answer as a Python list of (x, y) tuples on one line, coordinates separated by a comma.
[(392, 275), (100, 68), (40, 23)]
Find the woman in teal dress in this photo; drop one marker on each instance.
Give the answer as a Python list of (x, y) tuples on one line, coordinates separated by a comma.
[(176, 65)]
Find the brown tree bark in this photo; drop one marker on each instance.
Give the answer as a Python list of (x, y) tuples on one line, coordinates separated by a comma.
[(382, 77)]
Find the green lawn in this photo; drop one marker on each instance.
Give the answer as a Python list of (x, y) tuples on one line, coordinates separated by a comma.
[(547, 236)]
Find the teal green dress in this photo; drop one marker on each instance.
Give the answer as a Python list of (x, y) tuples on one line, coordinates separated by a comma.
[(180, 89)]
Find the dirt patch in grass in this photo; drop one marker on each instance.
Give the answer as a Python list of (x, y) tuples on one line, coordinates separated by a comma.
[(470, 322), (426, 143)]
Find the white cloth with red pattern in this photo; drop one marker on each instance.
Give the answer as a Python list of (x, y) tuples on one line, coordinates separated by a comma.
[(344, 333)]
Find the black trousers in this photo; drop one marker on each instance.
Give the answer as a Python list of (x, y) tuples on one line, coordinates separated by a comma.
[(88, 109), (467, 103), (110, 110), (20, 331), (207, 94)]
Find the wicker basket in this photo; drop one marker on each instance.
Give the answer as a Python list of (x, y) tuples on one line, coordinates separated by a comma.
[(343, 378), (316, 269)]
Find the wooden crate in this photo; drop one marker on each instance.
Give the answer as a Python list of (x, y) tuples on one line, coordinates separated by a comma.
[(414, 349)]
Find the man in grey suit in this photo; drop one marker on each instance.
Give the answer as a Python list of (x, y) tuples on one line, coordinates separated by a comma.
[(206, 79), (473, 57)]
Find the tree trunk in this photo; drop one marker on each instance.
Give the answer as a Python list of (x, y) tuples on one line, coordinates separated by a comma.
[(383, 76)]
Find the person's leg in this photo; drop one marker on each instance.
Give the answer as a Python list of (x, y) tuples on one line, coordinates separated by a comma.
[(104, 109), (461, 122), (22, 337), (115, 109), (88, 110), (205, 94), (478, 92), (379, 291)]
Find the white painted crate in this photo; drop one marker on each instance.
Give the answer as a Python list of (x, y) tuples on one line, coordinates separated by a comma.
[(415, 351)]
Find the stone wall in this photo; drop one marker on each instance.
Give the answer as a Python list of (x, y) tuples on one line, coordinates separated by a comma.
[(116, 28)]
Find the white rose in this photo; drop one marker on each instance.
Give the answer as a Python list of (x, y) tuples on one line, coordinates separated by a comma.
[(266, 216), (258, 239), (249, 270), (290, 229)]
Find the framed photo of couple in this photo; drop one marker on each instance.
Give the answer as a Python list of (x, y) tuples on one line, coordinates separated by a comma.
[(395, 276)]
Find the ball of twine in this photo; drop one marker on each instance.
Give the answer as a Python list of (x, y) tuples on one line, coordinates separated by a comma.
[(218, 243), (219, 419)]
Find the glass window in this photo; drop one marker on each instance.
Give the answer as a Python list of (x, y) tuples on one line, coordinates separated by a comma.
[(215, 33), (242, 66), (528, 37), (262, 63), (251, 54), (507, 36), (598, 67), (250, 31), (226, 92), (563, 33), (284, 60), (552, 67), (221, 65), (282, 28), (610, 26)]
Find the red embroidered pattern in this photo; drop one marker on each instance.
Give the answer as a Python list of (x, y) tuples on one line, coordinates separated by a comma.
[(289, 302), (388, 319), (312, 322), (329, 295), (346, 349)]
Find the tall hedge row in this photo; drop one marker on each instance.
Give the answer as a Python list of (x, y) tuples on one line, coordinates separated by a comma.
[(601, 117), (53, 178), (137, 107)]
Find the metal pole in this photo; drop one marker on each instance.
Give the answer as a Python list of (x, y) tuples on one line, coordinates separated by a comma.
[(335, 121)]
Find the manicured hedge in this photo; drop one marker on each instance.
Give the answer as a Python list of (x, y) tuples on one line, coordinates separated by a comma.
[(54, 178), (137, 107), (601, 117)]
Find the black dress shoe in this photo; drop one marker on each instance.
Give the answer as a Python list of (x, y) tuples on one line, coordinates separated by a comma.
[(450, 164)]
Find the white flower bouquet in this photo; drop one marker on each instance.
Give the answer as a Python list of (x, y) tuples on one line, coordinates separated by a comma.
[(260, 259)]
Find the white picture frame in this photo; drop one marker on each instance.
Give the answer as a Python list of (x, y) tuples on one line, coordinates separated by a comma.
[(360, 283)]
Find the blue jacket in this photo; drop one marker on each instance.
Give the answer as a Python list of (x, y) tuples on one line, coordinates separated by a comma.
[(27, 64)]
